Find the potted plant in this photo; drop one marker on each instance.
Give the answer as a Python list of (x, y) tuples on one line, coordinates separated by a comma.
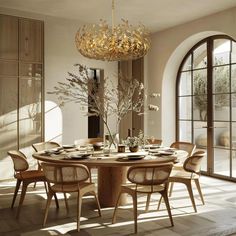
[(132, 143)]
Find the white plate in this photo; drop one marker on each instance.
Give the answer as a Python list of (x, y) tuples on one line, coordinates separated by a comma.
[(78, 156), (133, 157), (136, 155), (53, 151), (152, 146), (68, 146), (167, 153)]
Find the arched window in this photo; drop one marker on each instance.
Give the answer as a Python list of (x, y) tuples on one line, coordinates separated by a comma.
[(206, 103)]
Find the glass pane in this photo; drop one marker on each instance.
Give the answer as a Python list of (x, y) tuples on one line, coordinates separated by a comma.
[(222, 134), (200, 82), (8, 68), (187, 64), (233, 55), (204, 160), (185, 108), (221, 79), (233, 78), (200, 134), (221, 107), (200, 108), (185, 131), (221, 161), (185, 84), (200, 57), (234, 163), (29, 111), (221, 52), (8, 115), (233, 106), (233, 135), (32, 70), (200, 139)]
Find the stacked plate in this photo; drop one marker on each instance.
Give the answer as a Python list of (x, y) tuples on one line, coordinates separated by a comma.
[(133, 155), (78, 155), (55, 151)]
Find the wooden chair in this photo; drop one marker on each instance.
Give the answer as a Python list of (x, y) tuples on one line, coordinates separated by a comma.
[(38, 147), (190, 172), (186, 146), (67, 178), (44, 146), (87, 141), (154, 141), (22, 174), (146, 179), (189, 148)]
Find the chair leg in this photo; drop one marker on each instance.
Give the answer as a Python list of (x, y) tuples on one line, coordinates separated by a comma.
[(66, 202), (22, 197), (50, 194), (18, 182), (56, 200), (45, 186), (171, 189), (79, 203), (98, 204), (135, 206), (199, 190), (148, 201), (116, 208), (90, 175), (39, 168), (165, 196), (159, 203), (190, 191)]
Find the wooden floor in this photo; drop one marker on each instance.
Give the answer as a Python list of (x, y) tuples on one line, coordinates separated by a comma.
[(217, 217)]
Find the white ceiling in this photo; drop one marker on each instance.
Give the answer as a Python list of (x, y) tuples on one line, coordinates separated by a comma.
[(155, 14)]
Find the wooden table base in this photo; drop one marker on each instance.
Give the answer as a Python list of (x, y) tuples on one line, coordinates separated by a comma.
[(109, 181)]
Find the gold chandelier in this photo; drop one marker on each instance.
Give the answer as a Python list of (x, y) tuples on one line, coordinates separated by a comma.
[(119, 43)]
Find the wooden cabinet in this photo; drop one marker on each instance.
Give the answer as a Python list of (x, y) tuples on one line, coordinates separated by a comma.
[(8, 37), (30, 40), (21, 83)]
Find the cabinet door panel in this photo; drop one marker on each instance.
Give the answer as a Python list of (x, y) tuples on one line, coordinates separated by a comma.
[(30, 114), (9, 37), (8, 115), (8, 68), (30, 40), (31, 70)]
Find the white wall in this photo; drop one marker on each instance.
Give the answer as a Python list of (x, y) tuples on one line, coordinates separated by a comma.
[(60, 54), (167, 51)]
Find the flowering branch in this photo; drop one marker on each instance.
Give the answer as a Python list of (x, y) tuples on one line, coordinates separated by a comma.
[(104, 100)]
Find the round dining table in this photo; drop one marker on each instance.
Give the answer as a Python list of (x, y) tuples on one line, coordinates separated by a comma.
[(112, 170)]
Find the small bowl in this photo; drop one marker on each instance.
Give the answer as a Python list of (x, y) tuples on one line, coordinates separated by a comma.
[(98, 146)]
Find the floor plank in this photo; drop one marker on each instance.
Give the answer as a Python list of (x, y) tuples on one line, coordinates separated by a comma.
[(216, 217)]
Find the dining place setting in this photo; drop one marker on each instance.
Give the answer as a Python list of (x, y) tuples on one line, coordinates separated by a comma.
[(97, 151)]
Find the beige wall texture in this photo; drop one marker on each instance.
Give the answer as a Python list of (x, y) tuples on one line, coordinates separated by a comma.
[(162, 62), (60, 54)]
